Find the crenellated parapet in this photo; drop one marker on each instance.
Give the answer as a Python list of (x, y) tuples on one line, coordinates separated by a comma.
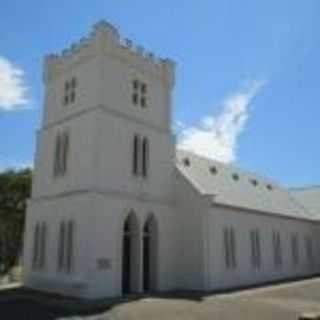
[(105, 39)]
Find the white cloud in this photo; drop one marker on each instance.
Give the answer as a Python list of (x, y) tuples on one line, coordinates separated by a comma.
[(12, 86), (217, 137)]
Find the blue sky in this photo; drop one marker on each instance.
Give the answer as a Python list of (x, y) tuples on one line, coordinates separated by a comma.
[(247, 80)]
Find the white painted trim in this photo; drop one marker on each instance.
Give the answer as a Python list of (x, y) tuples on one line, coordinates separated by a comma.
[(109, 110), (107, 192)]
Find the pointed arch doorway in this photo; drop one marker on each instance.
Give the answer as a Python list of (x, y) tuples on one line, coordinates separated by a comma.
[(150, 254), (130, 254)]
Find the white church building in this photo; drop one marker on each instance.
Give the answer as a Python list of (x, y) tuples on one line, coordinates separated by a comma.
[(117, 209)]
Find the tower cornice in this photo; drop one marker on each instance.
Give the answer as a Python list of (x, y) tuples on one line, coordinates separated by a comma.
[(104, 39)]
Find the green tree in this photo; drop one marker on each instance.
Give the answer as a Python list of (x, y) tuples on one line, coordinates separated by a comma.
[(15, 188)]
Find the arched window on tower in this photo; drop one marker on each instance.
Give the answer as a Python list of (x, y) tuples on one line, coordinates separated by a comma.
[(61, 154), (43, 244), (69, 246), (145, 157), (65, 153), (57, 155), (39, 246), (35, 256), (135, 155), (65, 261), (61, 245)]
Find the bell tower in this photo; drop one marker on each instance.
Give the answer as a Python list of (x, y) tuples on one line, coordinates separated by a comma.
[(104, 171), (113, 101)]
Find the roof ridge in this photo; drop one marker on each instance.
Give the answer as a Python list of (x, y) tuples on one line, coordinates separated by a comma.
[(232, 166), (199, 156), (304, 188)]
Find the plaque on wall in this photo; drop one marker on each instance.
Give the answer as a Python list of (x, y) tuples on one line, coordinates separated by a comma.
[(103, 263)]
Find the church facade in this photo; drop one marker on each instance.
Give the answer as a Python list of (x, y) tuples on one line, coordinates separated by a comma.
[(116, 209)]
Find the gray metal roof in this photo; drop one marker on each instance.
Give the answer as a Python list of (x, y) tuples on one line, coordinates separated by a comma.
[(310, 198), (234, 187)]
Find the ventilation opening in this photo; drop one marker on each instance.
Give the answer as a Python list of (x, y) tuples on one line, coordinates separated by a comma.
[(235, 177), (254, 182), (186, 162), (213, 170), (269, 187)]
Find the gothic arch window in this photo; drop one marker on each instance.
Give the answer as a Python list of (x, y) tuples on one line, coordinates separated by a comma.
[(139, 93), (39, 246), (131, 253), (150, 225), (126, 227), (70, 246), (145, 157), (255, 248), (140, 156), (65, 152), (35, 256), (295, 249), (136, 154), (43, 245), (61, 245), (146, 228), (131, 224), (150, 253), (56, 165), (309, 249), (66, 246), (277, 254), (70, 91), (230, 248), (61, 155)]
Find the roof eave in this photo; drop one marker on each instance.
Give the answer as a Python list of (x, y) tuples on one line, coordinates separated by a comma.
[(260, 212)]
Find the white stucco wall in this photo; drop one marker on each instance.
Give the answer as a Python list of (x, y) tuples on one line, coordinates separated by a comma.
[(202, 258), (190, 252), (82, 147), (116, 87), (107, 242), (114, 154), (53, 211), (191, 212), (243, 222), (99, 222), (87, 71)]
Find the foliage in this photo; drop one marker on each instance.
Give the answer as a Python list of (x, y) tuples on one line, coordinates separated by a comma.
[(15, 188)]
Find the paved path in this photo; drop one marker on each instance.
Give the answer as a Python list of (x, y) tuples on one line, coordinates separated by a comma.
[(10, 286), (273, 302)]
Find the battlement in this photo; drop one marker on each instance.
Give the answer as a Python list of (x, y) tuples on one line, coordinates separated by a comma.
[(105, 39)]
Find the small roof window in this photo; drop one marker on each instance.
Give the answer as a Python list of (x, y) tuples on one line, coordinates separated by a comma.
[(270, 187), (254, 182), (186, 162), (213, 169), (235, 177)]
